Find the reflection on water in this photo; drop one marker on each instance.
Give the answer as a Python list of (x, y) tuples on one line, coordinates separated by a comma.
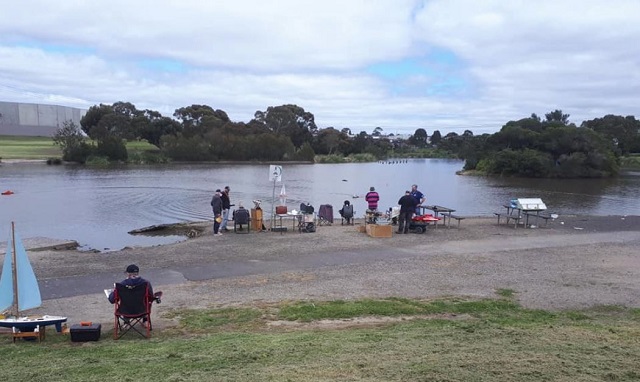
[(97, 207)]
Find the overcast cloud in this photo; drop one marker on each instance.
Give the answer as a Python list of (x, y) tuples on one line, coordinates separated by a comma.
[(447, 65)]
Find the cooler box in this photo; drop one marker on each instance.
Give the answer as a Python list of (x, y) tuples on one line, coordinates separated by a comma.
[(535, 204), (84, 333)]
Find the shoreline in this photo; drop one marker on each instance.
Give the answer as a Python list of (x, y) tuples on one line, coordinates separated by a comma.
[(584, 262)]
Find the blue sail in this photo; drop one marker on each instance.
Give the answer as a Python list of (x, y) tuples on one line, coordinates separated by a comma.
[(28, 290)]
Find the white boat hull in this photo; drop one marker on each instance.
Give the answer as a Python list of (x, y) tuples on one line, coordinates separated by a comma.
[(31, 322)]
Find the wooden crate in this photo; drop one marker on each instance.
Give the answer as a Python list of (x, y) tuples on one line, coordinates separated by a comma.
[(256, 220), (375, 230), (361, 229)]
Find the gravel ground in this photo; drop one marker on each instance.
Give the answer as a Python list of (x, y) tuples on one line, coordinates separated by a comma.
[(573, 262)]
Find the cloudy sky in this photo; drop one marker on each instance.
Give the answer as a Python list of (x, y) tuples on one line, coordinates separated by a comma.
[(447, 65)]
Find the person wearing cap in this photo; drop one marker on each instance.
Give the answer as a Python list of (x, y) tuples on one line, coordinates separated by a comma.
[(133, 279), (372, 198), (216, 205), (408, 204), (419, 196), (226, 206)]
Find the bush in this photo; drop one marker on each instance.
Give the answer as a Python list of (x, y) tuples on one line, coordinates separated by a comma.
[(528, 163), (361, 158), (51, 161), (95, 160), (147, 157), (113, 148)]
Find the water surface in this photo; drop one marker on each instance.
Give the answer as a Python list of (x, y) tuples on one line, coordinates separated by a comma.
[(97, 207)]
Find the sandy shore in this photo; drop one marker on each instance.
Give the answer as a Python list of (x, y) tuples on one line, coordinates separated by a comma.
[(574, 262)]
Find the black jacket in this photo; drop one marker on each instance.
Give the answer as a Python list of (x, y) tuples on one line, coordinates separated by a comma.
[(408, 203), (216, 204), (226, 202)]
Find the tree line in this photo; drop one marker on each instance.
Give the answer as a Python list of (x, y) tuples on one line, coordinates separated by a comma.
[(201, 133), (531, 147)]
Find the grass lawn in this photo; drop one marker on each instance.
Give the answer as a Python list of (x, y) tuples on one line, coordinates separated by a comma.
[(365, 340), (13, 147)]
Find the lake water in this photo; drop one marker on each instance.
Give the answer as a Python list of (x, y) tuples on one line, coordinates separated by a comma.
[(97, 207)]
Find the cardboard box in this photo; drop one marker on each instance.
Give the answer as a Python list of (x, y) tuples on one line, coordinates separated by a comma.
[(375, 230), (362, 229)]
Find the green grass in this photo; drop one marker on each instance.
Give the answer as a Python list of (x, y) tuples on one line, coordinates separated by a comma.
[(442, 340), (631, 162), (14, 147)]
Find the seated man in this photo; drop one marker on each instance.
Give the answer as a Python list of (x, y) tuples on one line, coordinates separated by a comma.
[(241, 216), (133, 278), (346, 212)]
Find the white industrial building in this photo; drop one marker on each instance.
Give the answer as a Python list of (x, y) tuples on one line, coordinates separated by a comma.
[(30, 119)]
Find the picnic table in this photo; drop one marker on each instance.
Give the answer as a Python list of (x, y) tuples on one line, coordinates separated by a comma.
[(437, 210), (518, 213), (295, 216)]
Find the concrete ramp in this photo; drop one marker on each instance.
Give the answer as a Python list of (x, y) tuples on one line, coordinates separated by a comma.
[(42, 244)]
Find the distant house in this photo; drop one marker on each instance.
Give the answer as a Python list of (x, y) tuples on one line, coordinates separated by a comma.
[(30, 119)]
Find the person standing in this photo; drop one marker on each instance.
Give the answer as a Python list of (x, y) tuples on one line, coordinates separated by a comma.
[(408, 204), (372, 198), (216, 205), (419, 196), (226, 205)]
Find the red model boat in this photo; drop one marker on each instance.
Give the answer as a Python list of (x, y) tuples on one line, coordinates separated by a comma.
[(8, 192)]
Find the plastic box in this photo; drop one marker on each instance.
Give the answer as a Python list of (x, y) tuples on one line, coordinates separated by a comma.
[(84, 333)]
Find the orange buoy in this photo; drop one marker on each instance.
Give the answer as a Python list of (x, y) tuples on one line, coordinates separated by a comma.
[(8, 192)]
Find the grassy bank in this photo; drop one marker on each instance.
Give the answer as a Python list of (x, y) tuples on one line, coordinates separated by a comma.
[(372, 340), (13, 147)]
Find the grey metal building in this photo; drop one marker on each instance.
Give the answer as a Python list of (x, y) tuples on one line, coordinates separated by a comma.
[(30, 119)]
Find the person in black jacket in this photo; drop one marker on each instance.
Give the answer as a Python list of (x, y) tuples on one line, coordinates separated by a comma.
[(226, 206), (408, 206), (216, 205)]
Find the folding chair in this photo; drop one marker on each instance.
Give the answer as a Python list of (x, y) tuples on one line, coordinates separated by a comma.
[(325, 215), (241, 218), (347, 213), (132, 310), (307, 219)]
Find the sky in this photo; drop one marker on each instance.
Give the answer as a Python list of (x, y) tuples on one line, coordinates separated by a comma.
[(447, 65)]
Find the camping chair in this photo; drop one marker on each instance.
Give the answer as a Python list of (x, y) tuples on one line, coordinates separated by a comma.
[(241, 217), (307, 222), (347, 213), (132, 310), (325, 214)]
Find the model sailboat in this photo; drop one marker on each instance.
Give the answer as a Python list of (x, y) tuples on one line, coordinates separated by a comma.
[(19, 289)]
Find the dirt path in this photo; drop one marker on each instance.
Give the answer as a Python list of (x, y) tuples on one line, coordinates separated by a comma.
[(574, 262)]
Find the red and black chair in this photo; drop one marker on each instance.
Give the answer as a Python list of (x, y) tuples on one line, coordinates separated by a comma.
[(132, 309)]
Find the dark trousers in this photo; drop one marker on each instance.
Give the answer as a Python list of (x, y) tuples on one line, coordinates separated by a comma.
[(405, 220), (216, 226)]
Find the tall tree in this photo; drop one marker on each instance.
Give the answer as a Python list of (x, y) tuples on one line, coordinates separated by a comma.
[(436, 137), (623, 132), (557, 116), (419, 138), (289, 120)]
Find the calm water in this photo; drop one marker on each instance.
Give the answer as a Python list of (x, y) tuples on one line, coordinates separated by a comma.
[(97, 207)]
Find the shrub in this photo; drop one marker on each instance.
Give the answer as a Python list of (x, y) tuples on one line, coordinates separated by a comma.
[(51, 161), (95, 160)]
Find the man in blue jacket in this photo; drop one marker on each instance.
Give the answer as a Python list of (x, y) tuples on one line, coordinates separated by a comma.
[(133, 279), (419, 196)]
